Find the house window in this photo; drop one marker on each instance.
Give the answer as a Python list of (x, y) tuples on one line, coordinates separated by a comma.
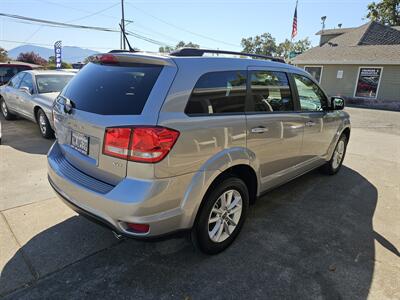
[(315, 71), (368, 82)]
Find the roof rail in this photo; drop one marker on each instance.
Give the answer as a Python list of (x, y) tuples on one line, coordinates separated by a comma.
[(200, 52)]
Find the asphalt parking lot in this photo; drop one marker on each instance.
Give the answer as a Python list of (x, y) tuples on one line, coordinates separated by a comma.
[(317, 237)]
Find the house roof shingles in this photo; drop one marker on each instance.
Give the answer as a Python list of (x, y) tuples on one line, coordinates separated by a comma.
[(378, 34), (371, 43)]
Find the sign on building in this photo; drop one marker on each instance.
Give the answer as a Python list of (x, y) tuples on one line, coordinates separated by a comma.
[(368, 82)]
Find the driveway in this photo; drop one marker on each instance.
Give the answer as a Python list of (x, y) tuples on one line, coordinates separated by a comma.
[(315, 237)]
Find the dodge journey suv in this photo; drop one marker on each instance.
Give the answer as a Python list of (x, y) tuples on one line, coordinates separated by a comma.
[(151, 145)]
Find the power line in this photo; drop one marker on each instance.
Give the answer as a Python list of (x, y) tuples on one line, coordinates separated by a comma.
[(151, 15), (74, 8), (168, 37), (181, 28), (51, 24), (51, 45), (128, 32), (94, 14), (58, 24), (73, 20)]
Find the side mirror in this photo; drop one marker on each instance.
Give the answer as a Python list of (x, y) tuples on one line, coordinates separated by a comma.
[(25, 89), (337, 103)]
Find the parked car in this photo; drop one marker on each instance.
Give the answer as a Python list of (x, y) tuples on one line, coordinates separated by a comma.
[(150, 145), (30, 94), (8, 70)]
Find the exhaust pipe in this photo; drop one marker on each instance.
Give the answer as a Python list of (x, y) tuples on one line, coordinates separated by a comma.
[(118, 236)]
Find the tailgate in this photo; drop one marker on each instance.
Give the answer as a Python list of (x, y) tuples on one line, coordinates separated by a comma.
[(102, 96)]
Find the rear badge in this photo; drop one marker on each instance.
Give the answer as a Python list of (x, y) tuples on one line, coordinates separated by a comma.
[(117, 164)]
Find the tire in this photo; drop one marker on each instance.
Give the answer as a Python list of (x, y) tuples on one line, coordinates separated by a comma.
[(209, 237), (4, 110), (335, 163), (44, 125)]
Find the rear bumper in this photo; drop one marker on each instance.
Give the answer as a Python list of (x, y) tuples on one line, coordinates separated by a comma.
[(154, 202)]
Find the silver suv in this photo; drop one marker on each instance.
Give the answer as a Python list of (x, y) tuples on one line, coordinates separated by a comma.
[(151, 145)]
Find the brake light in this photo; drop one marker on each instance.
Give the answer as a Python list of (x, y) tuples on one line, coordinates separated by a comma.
[(103, 58), (116, 142), (141, 144)]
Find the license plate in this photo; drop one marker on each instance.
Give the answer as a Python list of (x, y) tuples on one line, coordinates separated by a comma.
[(80, 142)]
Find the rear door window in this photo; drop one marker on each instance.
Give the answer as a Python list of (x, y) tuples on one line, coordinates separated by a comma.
[(270, 92), (16, 80), (112, 90), (218, 93)]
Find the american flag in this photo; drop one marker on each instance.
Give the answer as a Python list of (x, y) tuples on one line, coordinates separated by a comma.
[(294, 27)]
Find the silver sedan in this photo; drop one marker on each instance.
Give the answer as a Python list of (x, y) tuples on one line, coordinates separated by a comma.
[(30, 94)]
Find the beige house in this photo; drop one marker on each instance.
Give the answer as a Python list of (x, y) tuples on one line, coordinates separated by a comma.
[(361, 64)]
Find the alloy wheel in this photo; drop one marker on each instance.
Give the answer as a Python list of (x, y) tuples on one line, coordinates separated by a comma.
[(225, 216), (42, 123), (338, 154), (4, 109)]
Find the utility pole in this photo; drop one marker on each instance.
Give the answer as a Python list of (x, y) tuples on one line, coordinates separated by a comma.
[(123, 46)]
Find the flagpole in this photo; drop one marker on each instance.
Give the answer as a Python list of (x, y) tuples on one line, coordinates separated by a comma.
[(294, 25), (291, 38)]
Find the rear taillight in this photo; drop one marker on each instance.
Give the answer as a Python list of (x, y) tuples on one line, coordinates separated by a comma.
[(116, 142), (141, 144)]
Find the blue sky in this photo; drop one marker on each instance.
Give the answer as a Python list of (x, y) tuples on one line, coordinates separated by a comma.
[(213, 24)]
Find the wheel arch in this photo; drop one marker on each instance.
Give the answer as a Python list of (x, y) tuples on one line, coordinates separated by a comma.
[(346, 131), (35, 112), (209, 179)]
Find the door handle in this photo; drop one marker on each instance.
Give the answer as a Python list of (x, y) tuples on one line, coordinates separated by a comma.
[(260, 129), (310, 123)]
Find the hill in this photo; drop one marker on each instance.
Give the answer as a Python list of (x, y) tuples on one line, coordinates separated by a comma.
[(69, 54)]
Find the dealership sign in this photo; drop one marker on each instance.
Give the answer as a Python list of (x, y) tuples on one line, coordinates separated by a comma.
[(368, 82), (57, 54)]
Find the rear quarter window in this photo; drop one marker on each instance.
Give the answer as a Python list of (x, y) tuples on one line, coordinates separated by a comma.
[(218, 93), (112, 89)]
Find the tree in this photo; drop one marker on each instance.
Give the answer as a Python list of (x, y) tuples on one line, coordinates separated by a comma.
[(3, 55), (266, 44), (181, 44), (51, 64), (260, 44), (302, 45), (284, 48), (386, 12), (32, 58), (166, 49)]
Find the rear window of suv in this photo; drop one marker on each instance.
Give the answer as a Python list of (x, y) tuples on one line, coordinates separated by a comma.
[(112, 90)]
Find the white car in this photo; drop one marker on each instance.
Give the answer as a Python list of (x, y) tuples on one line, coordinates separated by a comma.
[(31, 94)]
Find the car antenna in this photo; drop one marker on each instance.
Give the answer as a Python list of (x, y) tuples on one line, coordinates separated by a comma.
[(126, 39)]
